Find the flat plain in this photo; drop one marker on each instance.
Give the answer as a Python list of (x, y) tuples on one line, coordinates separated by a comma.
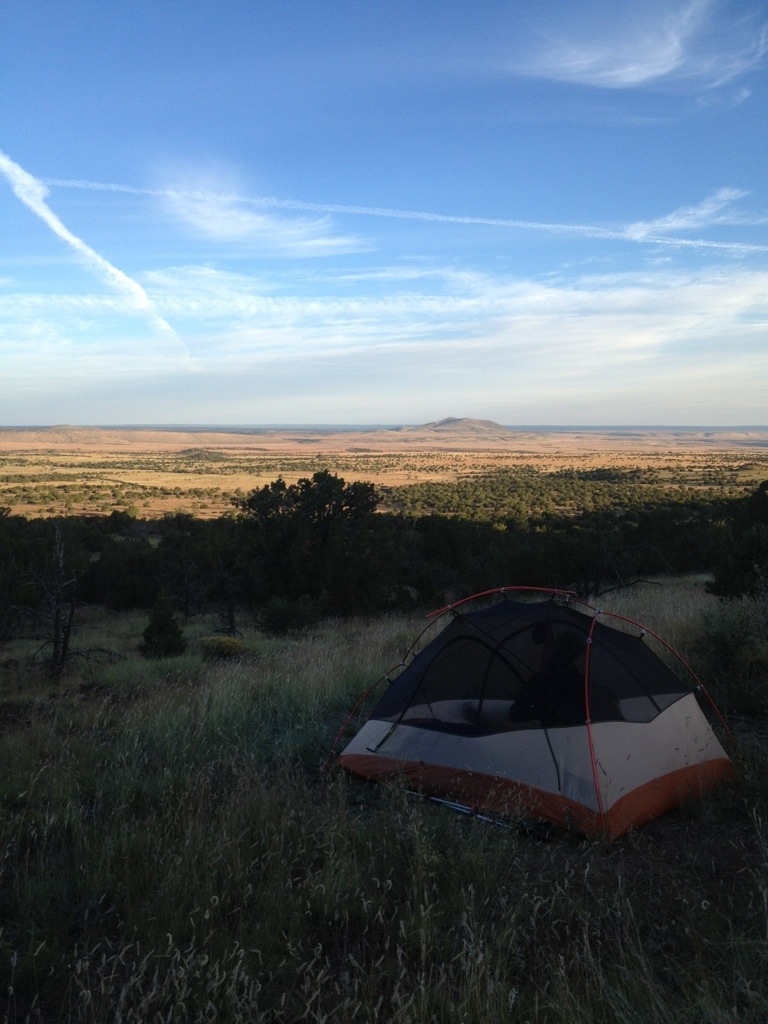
[(154, 471)]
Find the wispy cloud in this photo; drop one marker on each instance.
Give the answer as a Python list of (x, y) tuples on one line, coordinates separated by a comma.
[(227, 218), (621, 46), (33, 194), (689, 218), (236, 207), (629, 234), (222, 215), (723, 99), (602, 314), (576, 347), (524, 346)]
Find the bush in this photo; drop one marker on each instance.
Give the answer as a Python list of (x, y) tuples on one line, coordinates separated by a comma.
[(222, 648), (163, 637)]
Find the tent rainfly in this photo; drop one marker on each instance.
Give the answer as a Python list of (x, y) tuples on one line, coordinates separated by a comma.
[(546, 709)]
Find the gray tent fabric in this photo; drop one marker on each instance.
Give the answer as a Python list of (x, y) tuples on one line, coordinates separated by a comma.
[(543, 709)]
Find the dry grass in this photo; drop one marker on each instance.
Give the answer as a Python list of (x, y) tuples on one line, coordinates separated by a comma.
[(175, 849), (675, 608)]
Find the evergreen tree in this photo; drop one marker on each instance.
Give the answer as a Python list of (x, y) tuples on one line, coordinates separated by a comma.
[(163, 637)]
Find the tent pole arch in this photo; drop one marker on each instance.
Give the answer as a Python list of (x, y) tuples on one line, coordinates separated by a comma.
[(618, 737), (590, 737), (571, 596), (698, 684)]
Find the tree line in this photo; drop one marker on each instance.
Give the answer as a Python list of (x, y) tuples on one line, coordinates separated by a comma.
[(289, 554)]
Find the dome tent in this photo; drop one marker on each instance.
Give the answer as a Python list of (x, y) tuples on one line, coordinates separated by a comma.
[(549, 709)]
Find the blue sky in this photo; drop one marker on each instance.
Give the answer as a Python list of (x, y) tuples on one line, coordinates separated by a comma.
[(383, 211)]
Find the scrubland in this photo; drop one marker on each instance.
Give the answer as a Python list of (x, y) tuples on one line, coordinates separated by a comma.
[(178, 845), (75, 471)]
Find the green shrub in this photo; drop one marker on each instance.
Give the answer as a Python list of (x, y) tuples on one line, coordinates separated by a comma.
[(163, 637), (222, 648)]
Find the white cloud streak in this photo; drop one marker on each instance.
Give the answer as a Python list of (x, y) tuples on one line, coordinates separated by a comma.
[(640, 233), (699, 42), (469, 332), (587, 323), (696, 336), (689, 217), (226, 218), (33, 194)]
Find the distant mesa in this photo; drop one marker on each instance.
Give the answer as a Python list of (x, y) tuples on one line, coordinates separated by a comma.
[(460, 425)]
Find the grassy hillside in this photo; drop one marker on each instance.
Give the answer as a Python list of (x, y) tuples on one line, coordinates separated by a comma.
[(177, 847)]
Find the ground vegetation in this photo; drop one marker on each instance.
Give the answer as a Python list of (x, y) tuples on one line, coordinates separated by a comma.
[(320, 546), (178, 846), (66, 471)]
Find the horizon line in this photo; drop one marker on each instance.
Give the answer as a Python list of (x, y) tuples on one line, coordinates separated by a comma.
[(350, 426)]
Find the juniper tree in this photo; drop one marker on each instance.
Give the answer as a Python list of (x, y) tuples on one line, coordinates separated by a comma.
[(163, 637)]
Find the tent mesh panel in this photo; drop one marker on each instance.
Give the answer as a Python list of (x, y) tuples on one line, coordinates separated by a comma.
[(524, 666)]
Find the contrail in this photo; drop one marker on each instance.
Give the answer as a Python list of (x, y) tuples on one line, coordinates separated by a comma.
[(33, 193), (585, 230), (631, 234)]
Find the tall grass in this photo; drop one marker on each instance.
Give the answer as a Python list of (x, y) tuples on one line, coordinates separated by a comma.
[(175, 847), (725, 642)]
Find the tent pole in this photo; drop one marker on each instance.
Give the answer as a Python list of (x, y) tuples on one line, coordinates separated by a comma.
[(588, 723)]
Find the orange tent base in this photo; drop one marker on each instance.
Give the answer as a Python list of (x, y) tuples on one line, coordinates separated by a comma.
[(497, 795)]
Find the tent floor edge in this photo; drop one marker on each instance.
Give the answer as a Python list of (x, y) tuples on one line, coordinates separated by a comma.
[(496, 795)]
